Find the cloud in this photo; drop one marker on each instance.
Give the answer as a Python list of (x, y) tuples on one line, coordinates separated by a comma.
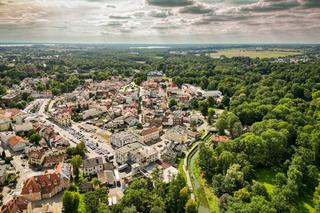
[(271, 6), (160, 14), (119, 17), (170, 3), (195, 9), (311, 4)]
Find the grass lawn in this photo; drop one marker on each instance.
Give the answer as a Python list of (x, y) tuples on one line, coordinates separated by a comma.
[(252, 53), (82, 207), (205, 193), (180, 162), (267, 176)]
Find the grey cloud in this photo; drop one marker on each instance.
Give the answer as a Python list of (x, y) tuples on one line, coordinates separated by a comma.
[(119, 17), (196, 9), (111, 6), (270, 6), (170, 3), (311, 4), (160, 14), (232, 2)]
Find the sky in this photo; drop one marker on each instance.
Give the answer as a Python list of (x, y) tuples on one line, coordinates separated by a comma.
[(160, 21)]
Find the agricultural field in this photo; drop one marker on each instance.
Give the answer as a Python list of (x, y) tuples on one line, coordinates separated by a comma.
[(253, 53)]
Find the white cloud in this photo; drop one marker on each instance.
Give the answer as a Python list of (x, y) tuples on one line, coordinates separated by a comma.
[(116, 20)]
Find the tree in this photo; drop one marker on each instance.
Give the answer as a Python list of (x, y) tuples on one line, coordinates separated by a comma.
[(191, 206), (76, 162), (211, 113), (222, 124), (3, 156), (203, 107), (95, 181), (211, 101), (35, 138), (194, 103), (131, 209), (94, 198), (103, 208), (70, 201), (184, 196), (172, 103)]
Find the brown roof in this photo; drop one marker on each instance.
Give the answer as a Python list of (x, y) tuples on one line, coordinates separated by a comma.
[(36, 153), (219, 138), (148, 131), (14, 140), (41, 183), (55, 159), (16, 204)]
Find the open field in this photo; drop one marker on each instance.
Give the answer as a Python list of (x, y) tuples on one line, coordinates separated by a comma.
[(252, 53), (266, 177)]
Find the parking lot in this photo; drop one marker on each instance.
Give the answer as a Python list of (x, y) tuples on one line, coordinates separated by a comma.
[(93, 142)]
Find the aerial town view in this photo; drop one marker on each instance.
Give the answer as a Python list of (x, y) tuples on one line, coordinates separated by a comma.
[(178, 106)]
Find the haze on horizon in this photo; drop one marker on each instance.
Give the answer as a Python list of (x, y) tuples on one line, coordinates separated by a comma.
[(160, 21)]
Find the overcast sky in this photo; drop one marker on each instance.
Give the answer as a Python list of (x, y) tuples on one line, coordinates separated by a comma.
[(160, 21)]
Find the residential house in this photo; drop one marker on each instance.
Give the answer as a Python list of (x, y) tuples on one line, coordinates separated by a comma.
[(131, 121), (45, 158), (93, 112), (4, 137), (23, 127), (92, 166), (63, 118), (122, 155), (123, 138), (106, 178), (149, 134), (3, 174), (144, 156), (17, 143), (43, 186), (177, 134), (5, 124), (16, 205), (155, 75), (6, 118)]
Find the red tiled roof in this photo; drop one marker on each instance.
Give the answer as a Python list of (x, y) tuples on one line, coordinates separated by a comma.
[(148, 131), (14, 140), (219, 138), (16, 204), (41, 183)]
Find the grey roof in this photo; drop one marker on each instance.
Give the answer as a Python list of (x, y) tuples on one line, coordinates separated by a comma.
[(3, 168), (92, 162)]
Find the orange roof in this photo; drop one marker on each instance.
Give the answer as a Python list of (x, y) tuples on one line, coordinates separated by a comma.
[(14, 140), (9, 113), (41, 183), (148, 131), (219, 138)]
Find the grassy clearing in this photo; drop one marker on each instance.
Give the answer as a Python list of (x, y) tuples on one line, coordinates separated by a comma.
[(276, 53), (205, 193), (267, 176)]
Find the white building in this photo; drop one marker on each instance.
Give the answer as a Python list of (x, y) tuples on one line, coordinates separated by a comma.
[(150, 134), (123, 138), (123, 154), (177, 134), (92, 166), (144, 156)]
